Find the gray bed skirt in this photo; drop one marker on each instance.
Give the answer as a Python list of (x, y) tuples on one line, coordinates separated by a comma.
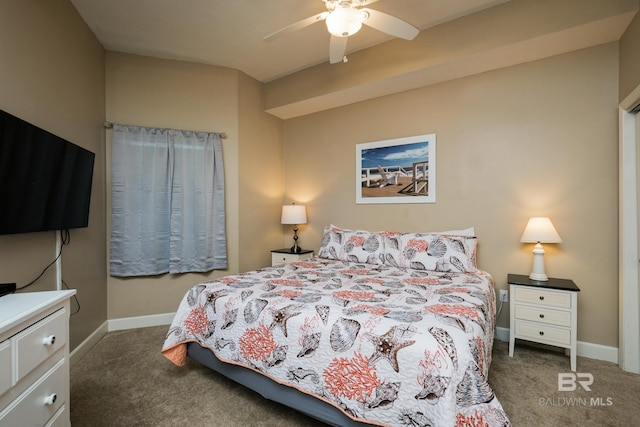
[(272, 390)]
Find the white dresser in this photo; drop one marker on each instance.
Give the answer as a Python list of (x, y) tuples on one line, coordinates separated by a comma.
[(34, 358)]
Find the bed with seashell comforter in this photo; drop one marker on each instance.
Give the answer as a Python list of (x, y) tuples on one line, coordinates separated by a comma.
[(381, 328)]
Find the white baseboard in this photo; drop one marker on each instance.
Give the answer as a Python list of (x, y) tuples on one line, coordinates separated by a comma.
[(502, 334), (585, 349), (140, 321), (86, 345), (598, 352)]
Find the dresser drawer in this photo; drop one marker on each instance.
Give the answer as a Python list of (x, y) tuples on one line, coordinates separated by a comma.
[(60, 419), (543, 315), (5, 366), (532, 295), (542, 333), (38, 342), (40, 402)]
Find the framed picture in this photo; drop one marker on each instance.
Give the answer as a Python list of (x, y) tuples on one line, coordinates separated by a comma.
[(401, 170)]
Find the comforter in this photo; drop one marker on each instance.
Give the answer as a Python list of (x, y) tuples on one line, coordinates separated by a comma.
[(388, 346)]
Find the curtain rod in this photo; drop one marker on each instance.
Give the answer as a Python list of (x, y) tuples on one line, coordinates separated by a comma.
[(109, 125)]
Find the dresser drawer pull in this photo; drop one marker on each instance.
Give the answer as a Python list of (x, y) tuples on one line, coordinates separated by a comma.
[(541, 332), (541, 316), (51, 399), (541, 297), (50, 340)]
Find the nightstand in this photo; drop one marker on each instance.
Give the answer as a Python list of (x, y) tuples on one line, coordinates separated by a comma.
[(544, 312), (285, 256)]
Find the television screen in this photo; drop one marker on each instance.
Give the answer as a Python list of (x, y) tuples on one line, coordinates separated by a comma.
[(45, 181)]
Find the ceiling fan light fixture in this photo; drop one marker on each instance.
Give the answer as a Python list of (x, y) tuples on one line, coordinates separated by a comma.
[(344, 21)]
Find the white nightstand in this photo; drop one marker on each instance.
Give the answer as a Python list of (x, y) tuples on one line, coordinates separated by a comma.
[(544, 312), (285, 256)]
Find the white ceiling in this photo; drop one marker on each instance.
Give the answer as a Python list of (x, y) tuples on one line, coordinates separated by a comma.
[(230, 33)]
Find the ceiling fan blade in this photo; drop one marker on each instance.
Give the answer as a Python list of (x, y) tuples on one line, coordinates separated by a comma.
[(337, 48), (390, 24), (296, 26)]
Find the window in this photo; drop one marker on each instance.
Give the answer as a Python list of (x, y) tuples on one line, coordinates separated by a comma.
[(167, 193)]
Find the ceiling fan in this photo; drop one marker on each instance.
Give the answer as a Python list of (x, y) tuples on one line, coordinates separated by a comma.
[(345, 18)]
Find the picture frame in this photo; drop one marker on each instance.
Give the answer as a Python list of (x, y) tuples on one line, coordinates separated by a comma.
[(401, 170)]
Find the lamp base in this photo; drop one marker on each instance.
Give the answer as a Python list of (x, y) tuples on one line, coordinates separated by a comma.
[(295, 249), (538, 277), (537, 271)]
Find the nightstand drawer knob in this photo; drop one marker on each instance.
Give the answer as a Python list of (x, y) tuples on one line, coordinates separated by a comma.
[(51, 399), (541, 332), (541, 316), (541, 297), (50, 340)]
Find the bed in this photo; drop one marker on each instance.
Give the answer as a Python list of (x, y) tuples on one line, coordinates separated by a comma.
[(380, 328)]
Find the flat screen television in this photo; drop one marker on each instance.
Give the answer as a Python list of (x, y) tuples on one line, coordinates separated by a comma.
[(45, 181)]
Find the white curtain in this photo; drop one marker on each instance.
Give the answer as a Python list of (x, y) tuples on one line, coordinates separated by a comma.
[(167, 195)]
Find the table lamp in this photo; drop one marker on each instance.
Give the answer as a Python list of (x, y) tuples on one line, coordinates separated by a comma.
[(294, 214), (539, 230)]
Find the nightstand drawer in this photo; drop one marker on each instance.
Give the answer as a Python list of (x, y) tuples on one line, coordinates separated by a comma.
[(278, 258), (283, 256), (36, 343), (543, 333), (533, 295), (543, 315)]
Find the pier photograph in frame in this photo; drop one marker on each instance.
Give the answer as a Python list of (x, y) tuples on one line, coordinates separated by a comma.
[(401, 170)]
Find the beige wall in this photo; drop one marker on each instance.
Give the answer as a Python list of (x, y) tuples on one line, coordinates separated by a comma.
[(260, 176), (180, 95), (630, 58), (528, 140), (52, 75)]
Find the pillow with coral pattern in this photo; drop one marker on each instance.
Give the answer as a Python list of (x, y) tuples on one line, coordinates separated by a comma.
[(363, 246), (331, 243), (431, 251), (352, 245)]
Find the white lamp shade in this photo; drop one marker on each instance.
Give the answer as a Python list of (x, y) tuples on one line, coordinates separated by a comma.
[(540, 229), (293, 214), (344, 21)]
